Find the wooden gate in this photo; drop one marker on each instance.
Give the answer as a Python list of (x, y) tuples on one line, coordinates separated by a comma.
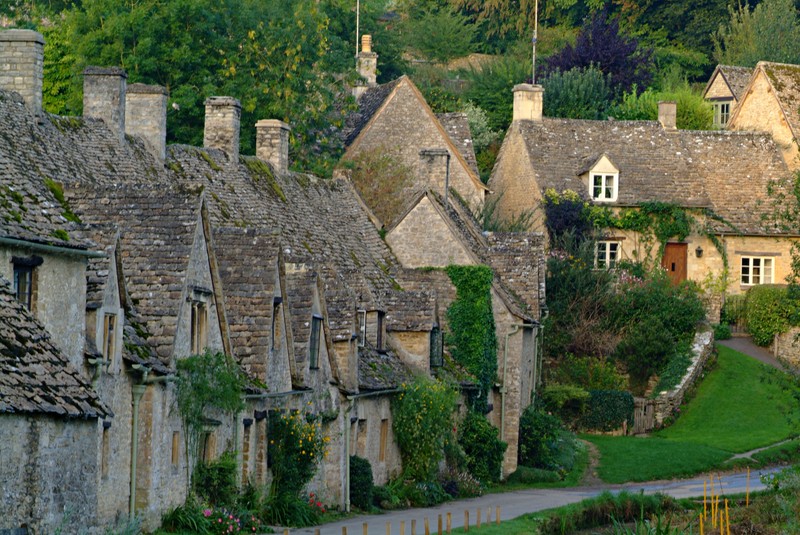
[(674, 261), (644, 419)]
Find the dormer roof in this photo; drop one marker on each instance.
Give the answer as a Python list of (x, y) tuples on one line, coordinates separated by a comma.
[(734, 77)]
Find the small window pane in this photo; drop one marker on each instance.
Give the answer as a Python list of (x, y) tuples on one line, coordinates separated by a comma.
[(313, 348)]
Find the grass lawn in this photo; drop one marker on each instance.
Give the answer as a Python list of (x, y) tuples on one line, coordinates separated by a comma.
[(736, 409)]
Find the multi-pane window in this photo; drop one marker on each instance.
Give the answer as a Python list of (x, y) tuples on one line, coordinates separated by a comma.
[(199, 327), (109, 335), (756, 270), (23, 285), (604, 187), (313, 347), (607, 254), (722, 114)]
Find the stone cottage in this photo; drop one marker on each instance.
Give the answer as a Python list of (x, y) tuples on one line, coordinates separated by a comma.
[(721, 177), (724, 89), (131, 255)]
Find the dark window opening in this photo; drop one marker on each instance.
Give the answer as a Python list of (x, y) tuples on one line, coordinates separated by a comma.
[(313, 348)]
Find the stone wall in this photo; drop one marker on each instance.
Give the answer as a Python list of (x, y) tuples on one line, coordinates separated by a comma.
[(665, 404), (786, 347), (55, 465)]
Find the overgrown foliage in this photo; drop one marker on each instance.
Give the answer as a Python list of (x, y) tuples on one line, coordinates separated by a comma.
[(215, 481), (579, 93), (422, 421), (381, 180), (768, 310), (607, 410), (207, 381), (439, 34), (539, 434), (361, 483), (471, 339), (768, 32), (568, 402), (693, 112), (296, 446), (482, 446), (490, 89)]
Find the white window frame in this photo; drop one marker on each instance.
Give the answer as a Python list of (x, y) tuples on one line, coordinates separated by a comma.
[(722, 113), (757, 270), (608, 193), (610, 250)]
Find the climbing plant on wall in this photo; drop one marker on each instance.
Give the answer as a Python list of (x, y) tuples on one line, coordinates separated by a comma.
[(206, 381), (472, 339)]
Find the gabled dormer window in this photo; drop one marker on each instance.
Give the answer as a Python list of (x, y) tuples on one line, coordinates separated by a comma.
[(314, 343), (604, 187)]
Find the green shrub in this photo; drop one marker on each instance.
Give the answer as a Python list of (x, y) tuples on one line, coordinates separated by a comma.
[(647, 347), (577, 94), (538, 438), (361, 482), (460, 484), (527, 476), (187, 517), (422, 416), (424, 493), (215, 481), (734, 310), (483, 448), (767, 309), (385, 498), (296, 446), (591, 373), (608, 409), (722, 331), (567, 401), (287, 509)]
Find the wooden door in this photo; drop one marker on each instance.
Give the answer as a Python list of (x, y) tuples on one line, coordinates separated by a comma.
[(674, 261)]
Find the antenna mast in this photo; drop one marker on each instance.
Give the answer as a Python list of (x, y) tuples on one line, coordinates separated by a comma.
[(358, 22), (535, 34)]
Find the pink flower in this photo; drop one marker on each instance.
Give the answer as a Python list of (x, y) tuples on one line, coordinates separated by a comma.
[(206, 512)]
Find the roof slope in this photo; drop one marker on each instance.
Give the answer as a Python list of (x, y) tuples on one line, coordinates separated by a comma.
[(457, 127), (35, 377), (785, 80), (735, 77), (694, 169)]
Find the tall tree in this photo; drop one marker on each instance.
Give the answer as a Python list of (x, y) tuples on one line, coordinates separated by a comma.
[(771, 32), (601, 44)]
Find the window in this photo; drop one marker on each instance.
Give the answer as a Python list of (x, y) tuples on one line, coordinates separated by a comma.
[(604, 187), (722, 114), (106, 450), (176, 448), (199, 327), (756, 270), (276, 324), (437, 357), (384, 439), (379, 334), (313, 347), (606, 254), (208, 446), (25, 279), (362, 327), (109, 336)]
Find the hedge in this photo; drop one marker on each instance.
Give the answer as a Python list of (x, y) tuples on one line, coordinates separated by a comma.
[(607, 410)]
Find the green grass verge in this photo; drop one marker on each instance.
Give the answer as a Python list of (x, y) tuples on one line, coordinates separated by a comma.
[(572, 479), (737, 408)]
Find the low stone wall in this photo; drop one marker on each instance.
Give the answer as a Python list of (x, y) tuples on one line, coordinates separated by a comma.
[(651, 413), (787, 347)]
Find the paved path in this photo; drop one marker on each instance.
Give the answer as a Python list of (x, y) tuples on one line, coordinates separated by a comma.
[(745, 345), (518, 503)]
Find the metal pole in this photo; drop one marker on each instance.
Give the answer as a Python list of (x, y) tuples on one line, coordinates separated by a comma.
[(535, 35), (358, 27)]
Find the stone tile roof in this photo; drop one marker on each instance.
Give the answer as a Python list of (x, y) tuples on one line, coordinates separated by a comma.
[(35, 377), (718, 170), (736, 77), (368, 105), (98, 268), (248, 263), (380, 370), (301, 281), (29, 209), (410, 310), (785, 80), (457, 127), (157, 226)]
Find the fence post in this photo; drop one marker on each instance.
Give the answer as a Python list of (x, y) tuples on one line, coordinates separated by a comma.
[(413, 526), (402, 527), (449, 523), (365, 529), (439, 530), (388, 528), (427, 527), (478, 520), (466, 521), (497, 515)]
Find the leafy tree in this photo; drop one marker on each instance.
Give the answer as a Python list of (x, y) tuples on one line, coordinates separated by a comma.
[(577, 94), (769, 32), (440, 35), (602, 45), (694, 113), (491, 89)]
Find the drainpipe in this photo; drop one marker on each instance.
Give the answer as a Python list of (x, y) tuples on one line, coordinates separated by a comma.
[(352, 399), (137, 391)]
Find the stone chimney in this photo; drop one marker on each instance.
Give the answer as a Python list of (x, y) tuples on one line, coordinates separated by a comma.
[(146, 116), (104, 97), (528, 102), (668, 114), (22, 66), (272, 144), (434, 170), (223, 118), (367, 65)]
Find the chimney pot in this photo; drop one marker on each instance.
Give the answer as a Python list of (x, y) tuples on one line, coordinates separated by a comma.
[(223, 120), (22, 66), (668, 114), (272, 144), (366, 43), (104, 91), (146, 116), (528, 102), (368, 61)]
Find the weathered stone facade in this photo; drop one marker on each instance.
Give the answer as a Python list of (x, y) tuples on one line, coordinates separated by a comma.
[(22, 66)]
